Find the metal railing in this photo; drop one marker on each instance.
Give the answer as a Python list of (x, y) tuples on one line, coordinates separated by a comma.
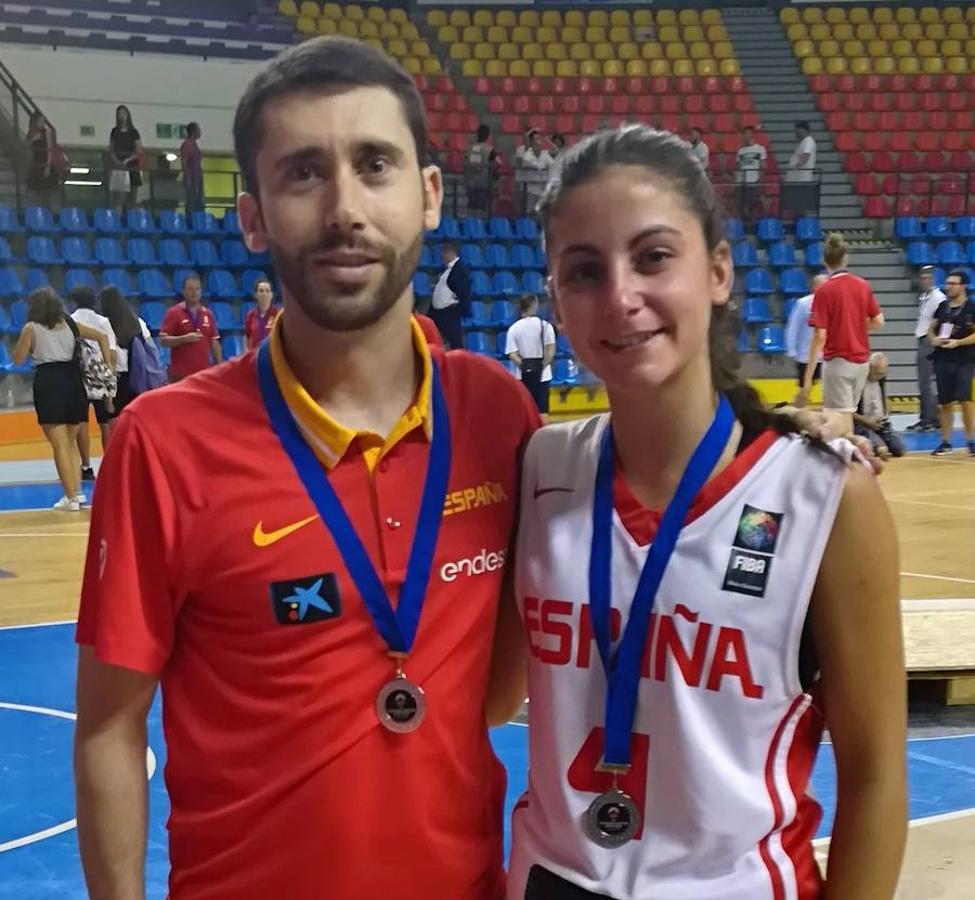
[(949, 193), (16, 108)]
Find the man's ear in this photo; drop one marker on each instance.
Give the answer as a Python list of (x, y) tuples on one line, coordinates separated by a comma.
[(251, 222)]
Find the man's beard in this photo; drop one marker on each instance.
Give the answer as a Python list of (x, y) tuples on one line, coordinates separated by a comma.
[(345, 307)]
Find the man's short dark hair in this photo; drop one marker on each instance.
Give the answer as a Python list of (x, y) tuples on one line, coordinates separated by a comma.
[(802, 123), (483, 133), (449, 245), (748, 128), (960, 274), (191, 276), (82, 296), (322, 63), (527, 301)]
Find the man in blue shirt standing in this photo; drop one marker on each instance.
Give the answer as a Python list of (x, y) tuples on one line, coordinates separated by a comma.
[(798, 331)]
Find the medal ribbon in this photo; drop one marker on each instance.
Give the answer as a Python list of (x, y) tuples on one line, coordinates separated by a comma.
[(194, 316), (623, 667), (396, 627)]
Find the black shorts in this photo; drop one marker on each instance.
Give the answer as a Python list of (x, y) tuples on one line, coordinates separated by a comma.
[(102, 415), (59, 394), (538, 389), (954, 379), (544, 885)]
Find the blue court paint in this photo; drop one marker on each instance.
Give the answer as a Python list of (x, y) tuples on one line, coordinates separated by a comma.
[(919, 443), (37, 668), (30, 496)]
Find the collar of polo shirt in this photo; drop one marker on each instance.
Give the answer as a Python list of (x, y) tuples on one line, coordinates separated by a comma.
[(329, 438)]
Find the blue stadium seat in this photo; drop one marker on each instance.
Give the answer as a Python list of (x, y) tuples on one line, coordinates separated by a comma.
[(153, 311), (496, 257), (474, 230), (223, 312), (808, 229), (758, 281), (533, 282), (540, 261), (744, 256), (18, 313), (562, 346), (770, 230), (172, 253), (6, 254), (7, 364), (118, 278), (37, 279), (40, 220), (920, 253), (140, 221), (734, 230), (950, 253), (793, 282), (787, 306), (505, 284), (565, 373), (814, 255), (108, 221), (248, 279), (472, 256), (233, 255), (233, 345), (510, 367), (500, 229), (522, 256), (421, 285), (141, 252), (480, 284), (204, 254), (938, 227), (480, 314), (108, 252), (221, 284), (526, 229), (6, 327), (500, 342), (908, 227), (744, 342), (164, 356), (970, 252), (479, 342), (41, 250), (782, 255), (153, 285), (259, 260), (503, 313), (74, 220), (964, 227), (10, 285), (939, 276), (429, 257), (756, 311), (76, 252), (449, 229), (79, 278), (771, 339), (180, 275), (231, 223), (174, 223), (9, 222), (205, 223)]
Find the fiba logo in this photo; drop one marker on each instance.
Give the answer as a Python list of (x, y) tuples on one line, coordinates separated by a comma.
[(485, 561)]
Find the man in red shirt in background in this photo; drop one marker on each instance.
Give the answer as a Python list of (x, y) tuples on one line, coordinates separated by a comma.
[(191, 161), (190, 331), (844, 311)]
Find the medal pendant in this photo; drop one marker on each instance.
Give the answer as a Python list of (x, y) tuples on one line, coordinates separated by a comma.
[(612, 819), (400, 705)]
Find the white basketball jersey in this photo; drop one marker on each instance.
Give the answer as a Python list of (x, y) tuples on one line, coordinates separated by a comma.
[(724, 735)]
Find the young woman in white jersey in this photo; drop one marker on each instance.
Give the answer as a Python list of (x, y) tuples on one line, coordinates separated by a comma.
[(737, 580)]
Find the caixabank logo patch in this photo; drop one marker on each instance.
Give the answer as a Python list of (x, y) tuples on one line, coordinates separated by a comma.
[(752, 551)]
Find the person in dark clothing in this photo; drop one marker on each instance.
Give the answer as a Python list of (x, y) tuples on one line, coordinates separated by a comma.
[(952, 334), (43, 176), (480, 173), (452, 297), (125, 148)]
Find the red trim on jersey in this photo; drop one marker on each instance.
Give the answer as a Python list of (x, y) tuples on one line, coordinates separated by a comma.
[(642, 523)]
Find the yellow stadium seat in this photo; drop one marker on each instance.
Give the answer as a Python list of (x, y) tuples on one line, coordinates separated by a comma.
[(590, 68), (604, 51), (829, 49), (596, 35), (497, 35), (533, 52), (929, 15), (812, 14), (859, 15), (668, 34), (651, 50), (542, 68), (567, 68), (797, 31), (306, 25), (853, 49), (689, 17), (520, 68), (460, 51), (835, 15), (957, 65), (902, 49), (711, 17), (412, 65), (472, 35), (522, 35), (837, 65), (716, 33), (437, 18), (933, 65), (598, 18), (574, 17), (659, 67), (472, 68), (723, 50), (935, 32), (496, 68), (619, 18), (877, 49), (642, 18), (693, 33), (328, 26), (552, 18), (579, 52), (812, 65), (619, 35), (310, 10), (700, 50), (908, 65), (348, 28), (460, 18), (958, 31), (884, 65), (556, 52), (485, 51), (636, 67), (970, 49), (355, 12), (614, 68), (388, 30), (804, 49), (287, 8), (843, 32), (508, 52), (952, 14), (397, 48), (889, 31), (546, 35), (506, 19), (628, 51), (483, 18), (866, 31), (376, 14), (905, 14), (375, 43), (571, 34), (926, 49), (861, 66), (682, 67), (730, 67), (408, 32), (912, 31), (883, 14), (675, 51), (706, 67), (368, 29), (666, 17), (789, 15), (820, 32)]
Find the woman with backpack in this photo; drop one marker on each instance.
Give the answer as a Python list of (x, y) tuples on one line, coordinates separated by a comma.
[(51, 337), (129, 328)]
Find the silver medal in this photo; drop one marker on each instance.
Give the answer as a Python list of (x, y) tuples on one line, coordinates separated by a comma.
[(400, 705), (612, 819)]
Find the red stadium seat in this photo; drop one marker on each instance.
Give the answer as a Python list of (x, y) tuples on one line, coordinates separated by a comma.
[(643, 104), (923, 83), (712, 85), (590, 124), (854, 102), (719, 103), (821, 84), (523, 105), (742, 103), (535, 86), (939, 120), (560, 86), (700, 121), (933, 161), (889, 121), (874, 140), (545, 103), (968, 83), (454, 161), (586, 85), (686, 84), (437, 102), (866, 184), (565, 124), (889, 184), (469, 122), (694, 103), (930, 102), (955, 101), (952, 183), (435, 122), (611, 86), (670, 103), (948, 205), (856, 162), (878, 102), (724, 123), (960, 160), (847, 141), (539, 122), (670, 122), (948, 82), (736, 84), (483, 86), (497, 105), (902, 142), (729, 142), (510, 125), (457, 103), (619, 105), (871, 84), (882, 162), (458, 142), (846, 84), (878, 208), (571, 105), (899, 84), (838, 121), (863, 121), (454, 122), (659, 85), (909, 161), (594, 105), (748, 119), (907, 206), (830, 102), (927, 141), (905, 101), (422, 83), (914, 120), (508, 86)]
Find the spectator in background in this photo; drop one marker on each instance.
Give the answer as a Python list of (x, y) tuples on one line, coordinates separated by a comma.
[(190, 331), (802, 163), (799, 333), (128, 328), (928, 302), (871, 419), (84, 299), (952, 333), (844, 311), (59, 388), (43, 175), (192, 163), (557, 147), (533, 169), (125, 151), (451, 297), (530, 345), (699, 150), (260, 318), (480, 172), (748, 175)]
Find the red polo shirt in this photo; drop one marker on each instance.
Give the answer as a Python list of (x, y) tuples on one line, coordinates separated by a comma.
[(842, 306), (254, 329), (185, 359)]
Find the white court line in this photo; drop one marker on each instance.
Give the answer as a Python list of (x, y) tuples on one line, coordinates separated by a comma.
[(38, 624), (970, 490), (939, 577), (929, 503), (965, 604), (35, 534), (937, 460), (823, 842)]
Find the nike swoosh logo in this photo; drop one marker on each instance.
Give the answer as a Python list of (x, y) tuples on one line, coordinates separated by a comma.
[(264, 538), (541, 492)]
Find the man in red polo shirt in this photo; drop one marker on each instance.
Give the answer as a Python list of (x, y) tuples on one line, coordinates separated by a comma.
[(305, 547), (190, 331)]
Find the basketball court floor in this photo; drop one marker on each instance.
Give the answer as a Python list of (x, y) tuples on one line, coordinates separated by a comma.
[(41, 555)]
